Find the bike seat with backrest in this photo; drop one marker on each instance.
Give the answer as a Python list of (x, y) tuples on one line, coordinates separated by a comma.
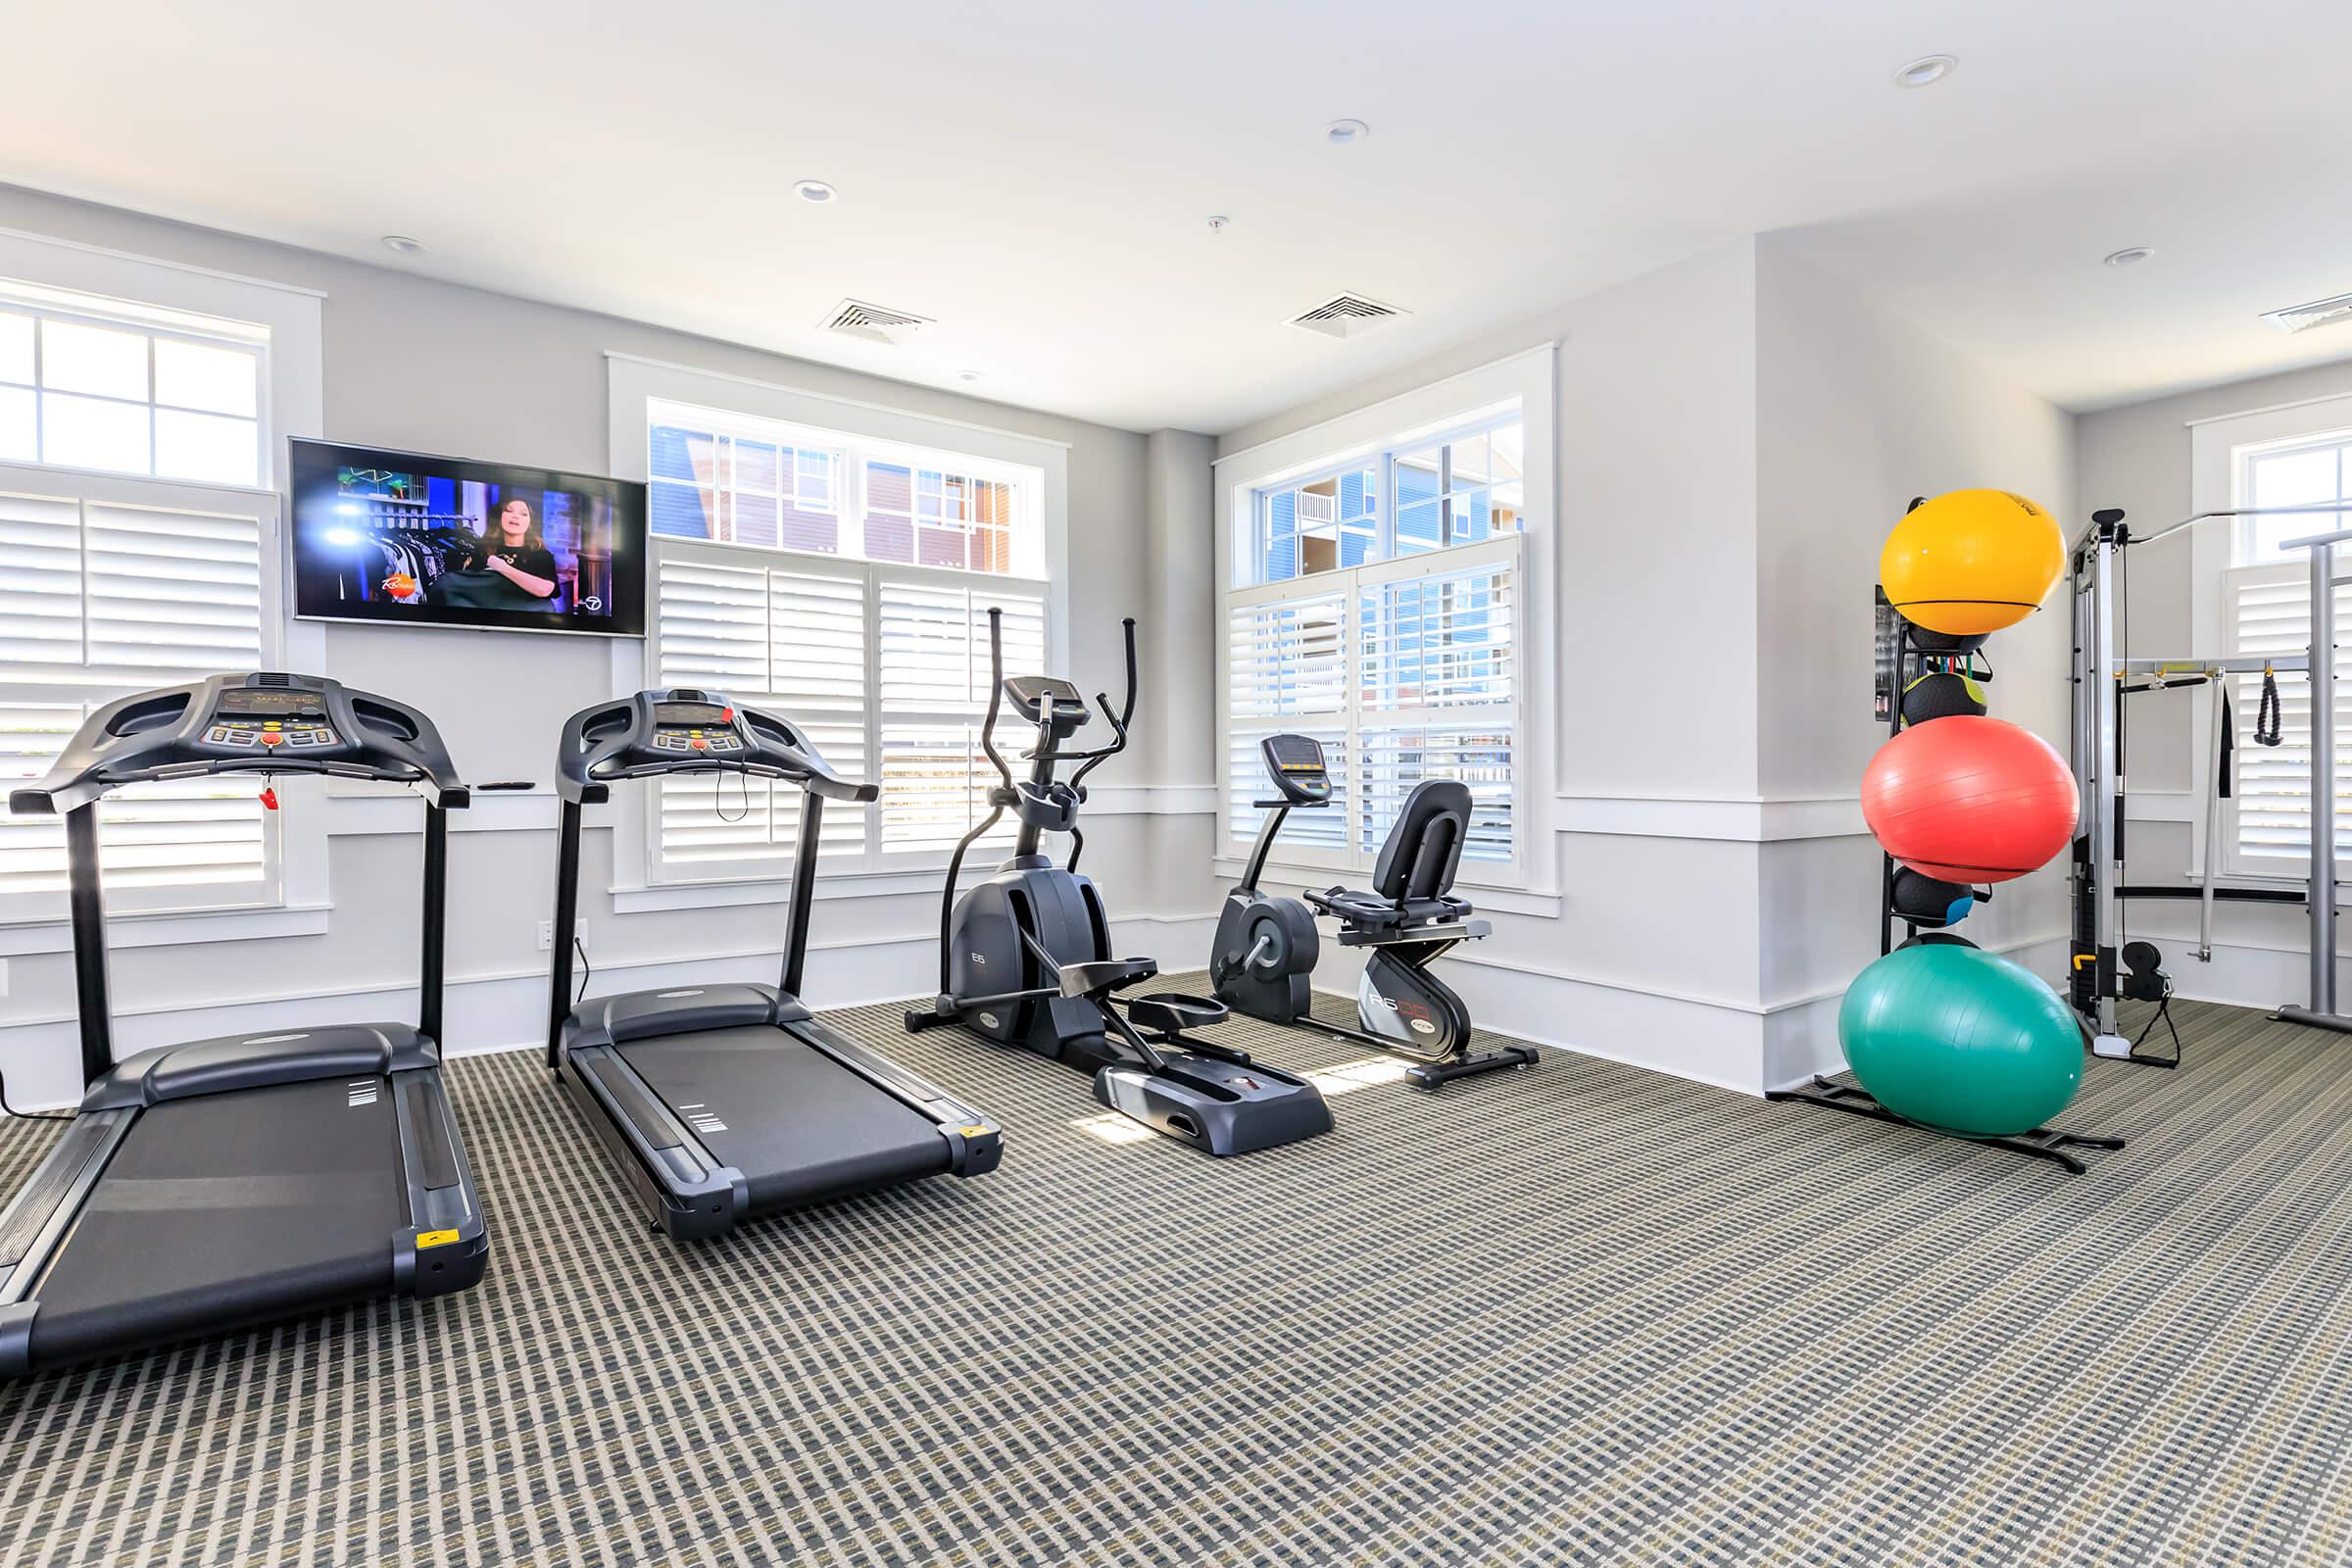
[(1413, 881)]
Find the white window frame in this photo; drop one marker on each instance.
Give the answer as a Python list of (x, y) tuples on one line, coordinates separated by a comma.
[(1524, 383), (2221, 450), (857, 430), (142, 293)]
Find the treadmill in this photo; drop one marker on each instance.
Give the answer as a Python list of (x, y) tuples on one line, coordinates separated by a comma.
[(723, 1102), (226, 1181)]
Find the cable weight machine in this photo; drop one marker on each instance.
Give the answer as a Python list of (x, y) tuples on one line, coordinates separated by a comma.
[(2103, 967)]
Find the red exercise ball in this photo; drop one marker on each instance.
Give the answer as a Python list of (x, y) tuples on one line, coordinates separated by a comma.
[(1970, 799)]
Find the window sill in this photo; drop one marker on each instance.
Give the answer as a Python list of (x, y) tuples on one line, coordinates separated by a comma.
[(171, 929), (1290, 880), (739, 892)]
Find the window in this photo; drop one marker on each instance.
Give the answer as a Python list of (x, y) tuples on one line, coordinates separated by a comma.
[(88, 383), (861, 613), (1379, 610), (741, 490), (1460, 489), (2266, 601), (109, 587), (139, 406)]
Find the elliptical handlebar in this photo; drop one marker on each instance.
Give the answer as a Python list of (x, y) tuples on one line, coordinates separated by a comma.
[(1120, 721), (996, 698), (997, 798)]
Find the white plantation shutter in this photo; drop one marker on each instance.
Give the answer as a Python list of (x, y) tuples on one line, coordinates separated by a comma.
[(791, 638), (933, 672), (2269, 610), (109, 587), (1287, 671), (885, 666), (853, 619), (1406, 670), (1437, 694)]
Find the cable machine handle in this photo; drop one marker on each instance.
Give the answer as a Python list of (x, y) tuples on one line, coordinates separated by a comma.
[(1120, 721)]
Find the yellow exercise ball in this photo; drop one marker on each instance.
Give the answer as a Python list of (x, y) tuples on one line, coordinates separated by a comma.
[(1972, 562)]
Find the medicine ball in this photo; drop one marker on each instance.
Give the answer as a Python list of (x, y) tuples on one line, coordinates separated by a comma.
[(1942, 694), (1929, 900), (1970, 799), (1944, 642), (1972, 561)]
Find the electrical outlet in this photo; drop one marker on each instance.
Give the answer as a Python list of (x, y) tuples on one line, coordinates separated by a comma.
[(547, 936)]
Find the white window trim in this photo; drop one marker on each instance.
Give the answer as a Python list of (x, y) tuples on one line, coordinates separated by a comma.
[(2218, 448), (1528, 379), (632, 382), (293, 404)]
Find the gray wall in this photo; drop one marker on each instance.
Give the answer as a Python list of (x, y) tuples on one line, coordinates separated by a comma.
[(1737, 434), (1860, 411), (1651, 953), (415, 363)]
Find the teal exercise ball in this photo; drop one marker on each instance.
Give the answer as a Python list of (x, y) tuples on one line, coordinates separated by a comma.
[(1956, 1038)]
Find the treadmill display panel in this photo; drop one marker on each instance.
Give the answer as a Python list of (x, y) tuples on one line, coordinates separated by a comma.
[(692, 727), (689, 714), (247, 700), (254, 721)]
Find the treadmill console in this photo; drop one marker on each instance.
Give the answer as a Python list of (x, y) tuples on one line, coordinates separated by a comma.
[(257, 719), (1039, 697), (1294, 762), (692, 727), (683, 730), (262, 721)]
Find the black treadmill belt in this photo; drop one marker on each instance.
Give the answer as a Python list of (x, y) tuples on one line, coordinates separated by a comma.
[(799, 1125), (227, 1209)]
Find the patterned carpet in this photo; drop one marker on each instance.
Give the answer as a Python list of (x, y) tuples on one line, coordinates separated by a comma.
[(1582, 1314)]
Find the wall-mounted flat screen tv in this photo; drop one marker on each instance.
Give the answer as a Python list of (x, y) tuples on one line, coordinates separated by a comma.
[(402, 539)]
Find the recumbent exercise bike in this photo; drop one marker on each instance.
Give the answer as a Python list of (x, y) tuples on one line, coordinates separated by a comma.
[(1266, 945)]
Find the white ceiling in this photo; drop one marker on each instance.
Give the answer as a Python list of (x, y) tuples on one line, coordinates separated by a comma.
[(1038, 176)]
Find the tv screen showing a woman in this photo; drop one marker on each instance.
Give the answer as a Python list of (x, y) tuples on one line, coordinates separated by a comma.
[(388, 536)]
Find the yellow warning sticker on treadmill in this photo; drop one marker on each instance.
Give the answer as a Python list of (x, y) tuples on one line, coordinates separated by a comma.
[(426, 1238), (981, 1131)]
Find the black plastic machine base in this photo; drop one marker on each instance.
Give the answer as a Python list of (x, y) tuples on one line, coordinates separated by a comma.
[(1217, 1106), (2043, 1143), (1433, 1074)]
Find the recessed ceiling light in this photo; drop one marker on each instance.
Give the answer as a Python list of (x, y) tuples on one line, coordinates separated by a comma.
[(967, 375), (400, 244), (1345, 132), (813, 190), (1217, 223), (2131, 254), (1925, 70)]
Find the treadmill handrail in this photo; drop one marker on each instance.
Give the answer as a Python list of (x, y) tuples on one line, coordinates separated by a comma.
[(161, 734)]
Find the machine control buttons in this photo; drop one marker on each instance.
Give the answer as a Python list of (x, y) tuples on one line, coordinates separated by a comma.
[(270, 734), (670, 740)]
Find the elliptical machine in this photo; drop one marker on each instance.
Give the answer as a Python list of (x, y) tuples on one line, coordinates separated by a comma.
[(1025, 957), (1266, 945)]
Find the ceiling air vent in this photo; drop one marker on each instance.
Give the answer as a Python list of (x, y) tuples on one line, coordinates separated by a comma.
[(2318, 312), (873, 323), (1345, 316)]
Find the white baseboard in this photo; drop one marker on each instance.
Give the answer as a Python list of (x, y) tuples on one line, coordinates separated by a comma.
[(507, 1010)]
